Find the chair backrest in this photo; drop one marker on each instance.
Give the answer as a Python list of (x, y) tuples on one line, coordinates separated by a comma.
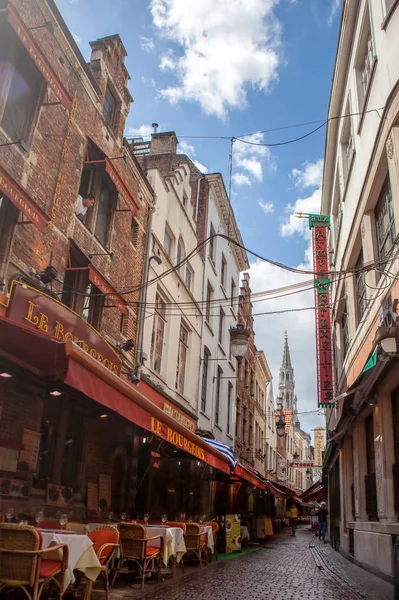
[(50, 524), (191, 537), (177, 524), (131, 536), (215, 529), (18, 567), (106, 534), (78, 527)]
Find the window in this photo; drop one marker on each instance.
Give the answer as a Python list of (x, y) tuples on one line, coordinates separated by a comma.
[(212, 244), (229, 405), (364, 62), (238, 422), (109, 107), (180, 255), (189, 278), (223, 269), (347, 143), (221, 325), (21, 86), (345, 331), (104, 212), (181, 358), (8, 218), (385, 220), (244, 425), (217, 398), (361, 292), (134, 232), (168, 242), (78, 292), (246, 374), (233, 293), (204, 384), (209, 296), (158, 333), (184, 199), (95, 181)]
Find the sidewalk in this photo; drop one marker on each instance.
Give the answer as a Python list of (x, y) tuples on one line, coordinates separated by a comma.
[(286, 568)]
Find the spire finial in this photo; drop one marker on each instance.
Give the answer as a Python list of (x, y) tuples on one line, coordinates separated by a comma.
[(286, 334)]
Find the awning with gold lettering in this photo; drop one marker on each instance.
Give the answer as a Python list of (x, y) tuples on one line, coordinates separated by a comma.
[(75, 367), (22, 201), (37, 56), (120, 186), (112, 295)]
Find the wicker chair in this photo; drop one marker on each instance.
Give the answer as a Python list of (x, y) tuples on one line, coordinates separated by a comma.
[(196, 542), (77, 527), (215, 529), (22, 563), (177, 524), (135, 548), (105, 542)]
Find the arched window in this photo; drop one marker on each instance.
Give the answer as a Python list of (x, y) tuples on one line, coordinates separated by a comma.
[(287, 395), (287, 376)]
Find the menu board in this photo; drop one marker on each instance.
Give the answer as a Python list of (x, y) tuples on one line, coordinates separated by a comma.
[(233, 533), (92, 497), (31, 446), (104, 489), (268, 526), (8, 459)]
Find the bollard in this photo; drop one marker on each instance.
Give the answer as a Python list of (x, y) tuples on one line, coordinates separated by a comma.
[(396, 569)]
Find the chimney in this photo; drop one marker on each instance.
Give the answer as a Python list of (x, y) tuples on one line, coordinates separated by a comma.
[(164, 143)]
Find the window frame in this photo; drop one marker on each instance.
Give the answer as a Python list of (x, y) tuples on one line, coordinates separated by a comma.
[(9, 215), (182, 354), (222, 317), (212, 244), (209, 298), (385, 196), (158, 333), (109, 118), (189, 272), (223, 272), (217, 394), (134, 232), (204, 380), (360, 288), (229, 406), (168, 234)]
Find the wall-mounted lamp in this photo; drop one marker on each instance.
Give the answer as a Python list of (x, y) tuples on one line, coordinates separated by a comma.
[(239, 338), (156, 259), (21, 143), (123, 157), (111, 255), (103, 416), (280, 427), (48, 274), (6, 375), (55, 393)]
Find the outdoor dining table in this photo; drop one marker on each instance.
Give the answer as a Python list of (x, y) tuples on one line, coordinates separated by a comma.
[(81, 554), (173, 541), (210, 542)]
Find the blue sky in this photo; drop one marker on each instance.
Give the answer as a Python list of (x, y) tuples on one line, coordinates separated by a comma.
[(228, 68)]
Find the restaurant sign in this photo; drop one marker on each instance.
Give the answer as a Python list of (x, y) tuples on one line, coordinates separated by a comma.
[(38, 311), (298, 464), (177, 414), (165, 432), (320, 224)]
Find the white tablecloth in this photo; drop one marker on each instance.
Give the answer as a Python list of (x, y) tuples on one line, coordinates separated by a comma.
[(81, 554), (244, 533), (173, 541), (209, 531)]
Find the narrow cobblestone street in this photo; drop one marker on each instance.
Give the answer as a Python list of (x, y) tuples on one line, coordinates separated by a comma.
[(287, 568)]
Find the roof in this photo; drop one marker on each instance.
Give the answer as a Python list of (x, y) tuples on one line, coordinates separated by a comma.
[(288, 414)]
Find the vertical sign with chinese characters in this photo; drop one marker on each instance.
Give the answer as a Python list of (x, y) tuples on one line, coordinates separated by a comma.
[(320, 225)]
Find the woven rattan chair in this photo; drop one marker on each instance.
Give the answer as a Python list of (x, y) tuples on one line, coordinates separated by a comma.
[(22, 563), (176, 524), (196, 543), (105, 540), (215, 529), (135, 548)]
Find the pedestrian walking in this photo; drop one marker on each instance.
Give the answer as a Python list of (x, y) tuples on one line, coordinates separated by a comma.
[(294, 517), (322, 529)]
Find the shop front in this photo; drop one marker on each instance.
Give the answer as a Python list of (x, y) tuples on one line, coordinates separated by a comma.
[(76, 434)]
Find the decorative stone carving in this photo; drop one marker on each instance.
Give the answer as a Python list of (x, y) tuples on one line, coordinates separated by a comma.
[(390, 147)]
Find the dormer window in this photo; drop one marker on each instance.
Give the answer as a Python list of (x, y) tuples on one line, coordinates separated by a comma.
[(109, 107)]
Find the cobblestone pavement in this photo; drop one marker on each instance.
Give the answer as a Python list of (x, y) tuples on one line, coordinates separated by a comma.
[(287, 568)]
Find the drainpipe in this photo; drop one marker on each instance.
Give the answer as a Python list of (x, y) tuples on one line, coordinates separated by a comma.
[(143, 301)]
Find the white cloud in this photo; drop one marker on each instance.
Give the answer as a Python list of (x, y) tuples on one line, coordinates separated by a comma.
[(186, 148), (335, 5), (241, 179), (144, 131), (225, 48), (201, 167), (310, 175), (146, 43), (311, 205), (267, 207), (76, 37), (250, 158)]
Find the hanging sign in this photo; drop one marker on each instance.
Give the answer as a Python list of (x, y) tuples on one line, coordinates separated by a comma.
[(320, 225)]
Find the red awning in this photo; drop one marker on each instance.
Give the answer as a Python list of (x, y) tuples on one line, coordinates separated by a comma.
[(22, 201), (37, 56), (112, 295), (277, 493), (68, 362), (244, 473)]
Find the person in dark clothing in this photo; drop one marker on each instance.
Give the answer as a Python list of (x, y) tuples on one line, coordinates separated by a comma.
[(322, 529)]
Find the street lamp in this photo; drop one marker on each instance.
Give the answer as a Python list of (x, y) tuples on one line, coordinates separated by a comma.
[(280, 427), (239, 337)]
